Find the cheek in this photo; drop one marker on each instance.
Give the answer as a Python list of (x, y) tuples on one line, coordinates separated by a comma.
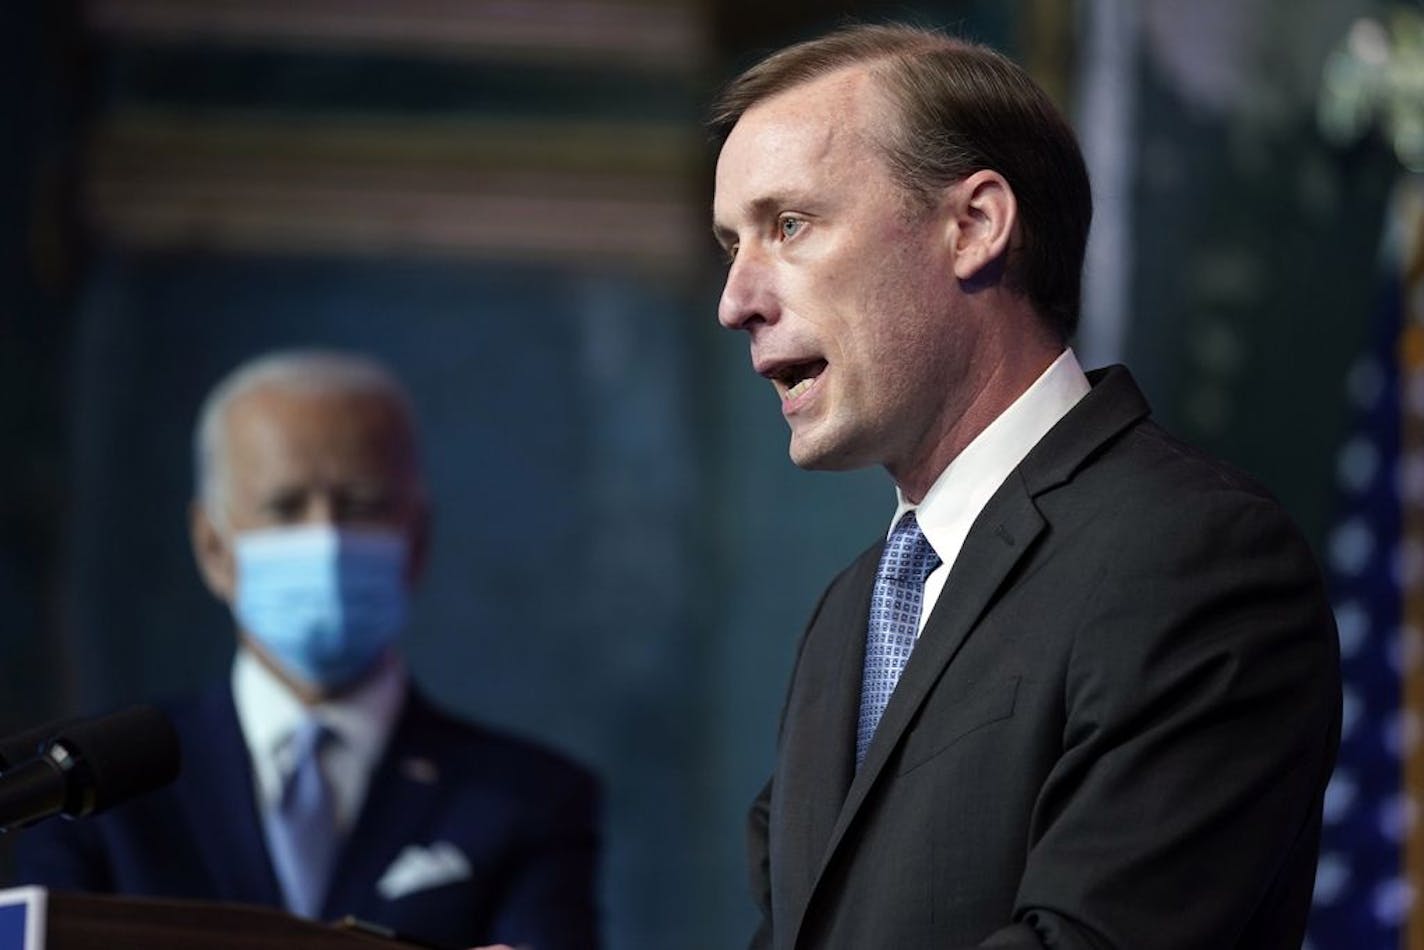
[(868, 317), (902, 335)]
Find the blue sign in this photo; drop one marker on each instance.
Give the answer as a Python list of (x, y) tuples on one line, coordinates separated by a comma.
[(22, 918)]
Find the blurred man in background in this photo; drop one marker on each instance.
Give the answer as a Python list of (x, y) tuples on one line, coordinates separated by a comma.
[(317, 777), (1085, 693)]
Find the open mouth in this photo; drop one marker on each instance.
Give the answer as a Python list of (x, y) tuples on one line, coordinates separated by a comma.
[(797, 378)]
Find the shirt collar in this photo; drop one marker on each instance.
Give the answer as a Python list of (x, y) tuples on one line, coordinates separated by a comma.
[(269, 712), (962, 490)]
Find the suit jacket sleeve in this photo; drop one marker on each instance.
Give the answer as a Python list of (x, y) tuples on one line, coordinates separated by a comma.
[(1203, 702)]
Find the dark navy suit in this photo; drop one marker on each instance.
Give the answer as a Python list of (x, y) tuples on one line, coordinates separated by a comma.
[(479, 837)]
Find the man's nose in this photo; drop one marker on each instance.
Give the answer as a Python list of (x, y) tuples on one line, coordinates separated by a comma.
[(749, 297), (320, 509)]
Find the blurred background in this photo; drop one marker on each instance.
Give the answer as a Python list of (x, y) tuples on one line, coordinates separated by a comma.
[(508, 202)]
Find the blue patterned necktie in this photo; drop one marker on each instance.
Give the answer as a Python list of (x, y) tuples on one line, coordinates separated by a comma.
[(894, 620), (301, 830)]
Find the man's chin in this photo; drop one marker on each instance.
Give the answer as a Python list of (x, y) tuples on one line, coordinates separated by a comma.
[(822, 455)]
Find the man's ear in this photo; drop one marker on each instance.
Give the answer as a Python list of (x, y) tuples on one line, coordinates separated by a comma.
[(985, 214), (212, 552)]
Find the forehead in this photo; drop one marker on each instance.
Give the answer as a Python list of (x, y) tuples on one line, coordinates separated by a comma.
[(272, 429), (825, 128)]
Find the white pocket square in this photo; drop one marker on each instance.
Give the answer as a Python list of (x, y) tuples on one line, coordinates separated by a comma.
[(421, 867)]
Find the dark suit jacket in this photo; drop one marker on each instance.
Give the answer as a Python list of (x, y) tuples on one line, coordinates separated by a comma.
[(522, 818), (1114, 732)]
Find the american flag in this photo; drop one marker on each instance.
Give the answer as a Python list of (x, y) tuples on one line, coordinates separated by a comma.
[(1372, 853)]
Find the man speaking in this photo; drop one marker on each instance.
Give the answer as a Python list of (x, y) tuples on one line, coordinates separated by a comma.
[(1084, 693)]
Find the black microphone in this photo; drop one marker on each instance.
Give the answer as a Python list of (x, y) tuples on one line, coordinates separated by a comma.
[(91, 765)]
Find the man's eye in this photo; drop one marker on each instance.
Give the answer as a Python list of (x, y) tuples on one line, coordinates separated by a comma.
[(790, 227), (363, 507), (286, 509)]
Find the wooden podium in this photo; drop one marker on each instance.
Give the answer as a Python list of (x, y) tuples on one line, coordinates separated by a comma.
[(102, 922)]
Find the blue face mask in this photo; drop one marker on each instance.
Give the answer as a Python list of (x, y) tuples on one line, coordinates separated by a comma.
[(324, 602)]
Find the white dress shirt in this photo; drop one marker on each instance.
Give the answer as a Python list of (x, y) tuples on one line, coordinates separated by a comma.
[(956, 498), (360, 721)]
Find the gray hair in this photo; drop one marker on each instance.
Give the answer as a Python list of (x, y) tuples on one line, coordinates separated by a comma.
[(314, 371)]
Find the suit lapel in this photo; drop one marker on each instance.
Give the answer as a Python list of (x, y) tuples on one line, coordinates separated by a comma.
[(219, 797), (999, 538), (400, 801)]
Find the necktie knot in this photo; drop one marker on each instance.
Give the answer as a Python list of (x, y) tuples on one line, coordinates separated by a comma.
[(908, 555), (303, 754)]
